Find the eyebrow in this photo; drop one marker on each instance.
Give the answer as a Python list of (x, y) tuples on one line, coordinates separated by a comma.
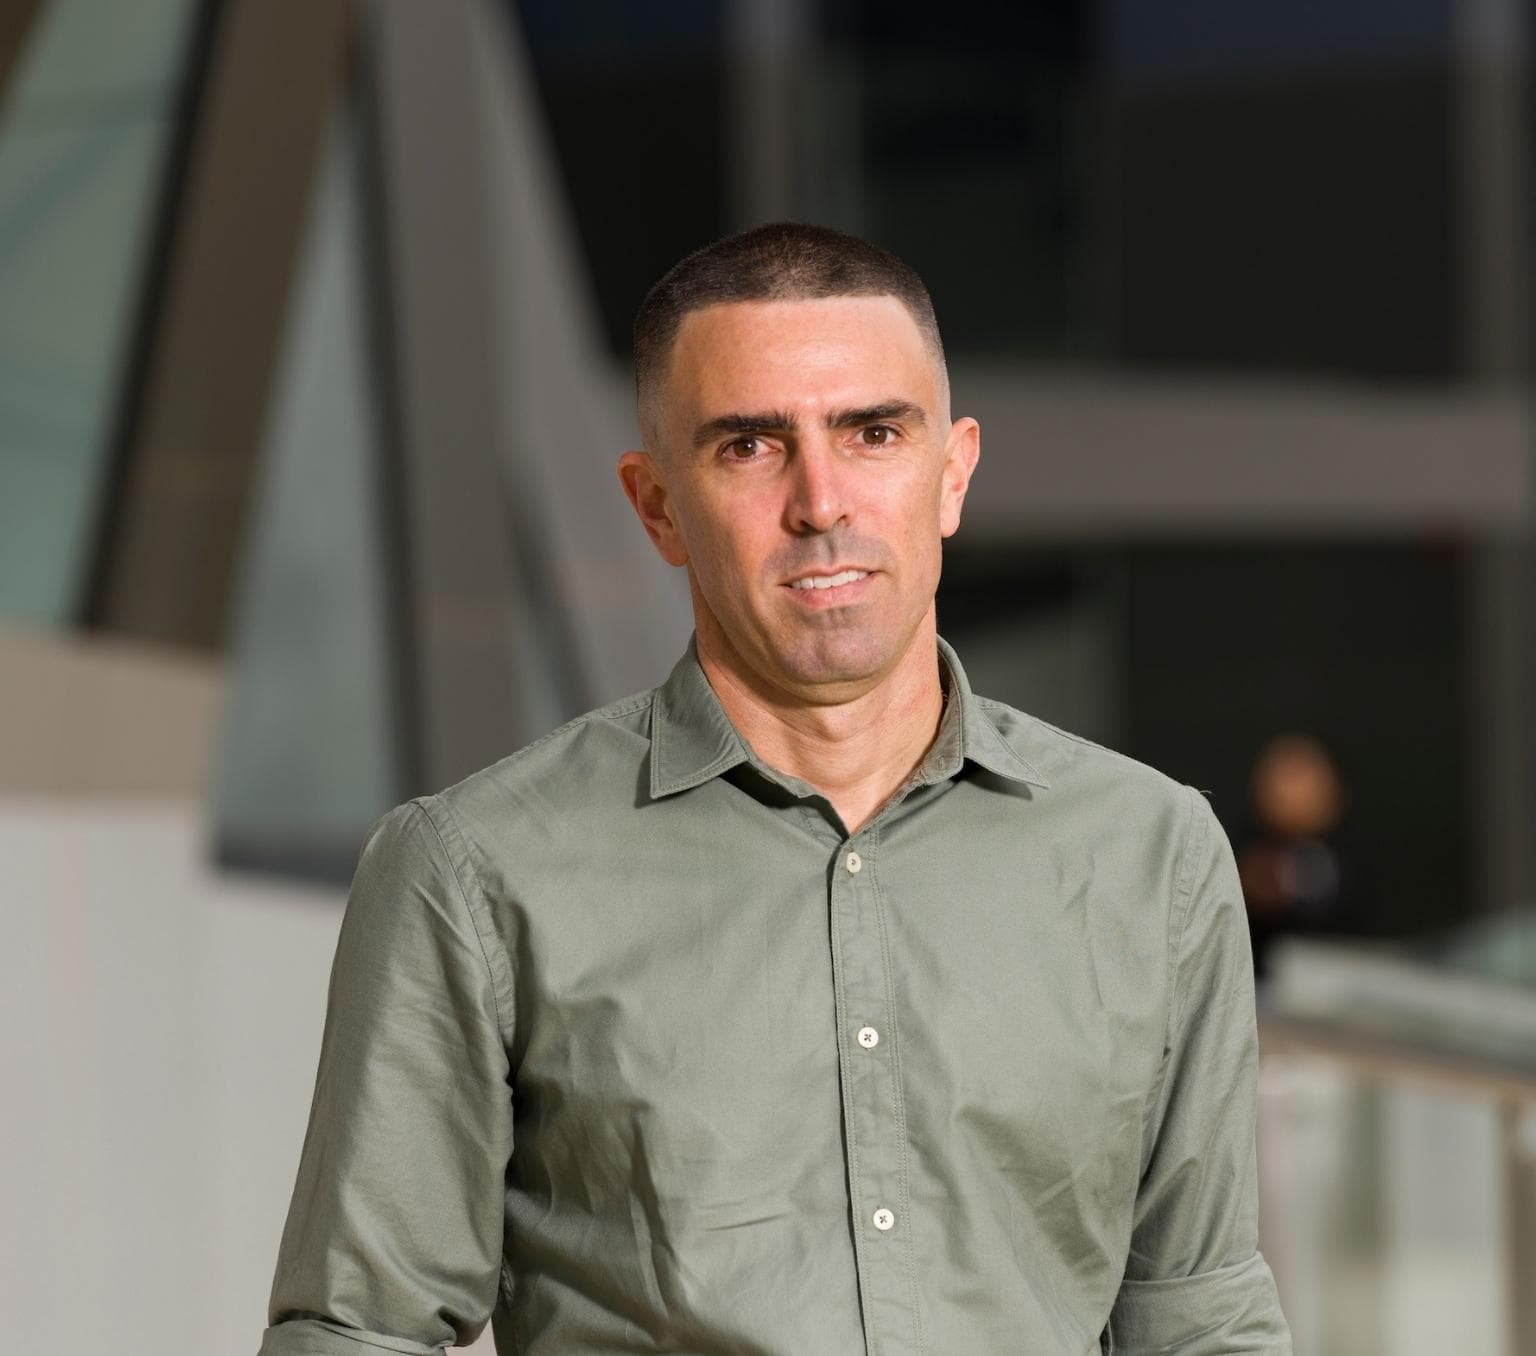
[(780, 421)]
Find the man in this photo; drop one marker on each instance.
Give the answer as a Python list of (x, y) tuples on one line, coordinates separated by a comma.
[(808, 1003)]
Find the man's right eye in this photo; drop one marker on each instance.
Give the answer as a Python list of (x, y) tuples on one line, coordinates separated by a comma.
[(743, 449)]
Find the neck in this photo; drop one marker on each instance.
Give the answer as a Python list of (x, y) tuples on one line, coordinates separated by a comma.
[(857, 751)]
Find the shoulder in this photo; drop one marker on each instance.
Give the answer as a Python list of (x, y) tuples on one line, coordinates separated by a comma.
[(595, 756), (1075, 765), (1116, 808)]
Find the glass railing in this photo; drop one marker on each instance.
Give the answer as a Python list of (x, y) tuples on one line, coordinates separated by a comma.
[(1398, 1140)]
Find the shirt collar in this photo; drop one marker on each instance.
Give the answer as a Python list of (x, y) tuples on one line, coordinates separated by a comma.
[(692, 739), (980, 739)]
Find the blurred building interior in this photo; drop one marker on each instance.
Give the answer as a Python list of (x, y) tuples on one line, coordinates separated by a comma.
[(313, 369)]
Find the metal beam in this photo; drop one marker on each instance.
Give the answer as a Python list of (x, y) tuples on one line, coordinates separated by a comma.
[(196, 396), (468, 607), (1085, 455)]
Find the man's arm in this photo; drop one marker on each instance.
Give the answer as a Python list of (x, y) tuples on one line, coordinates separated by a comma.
[(394, 1237), (1195, 1283)]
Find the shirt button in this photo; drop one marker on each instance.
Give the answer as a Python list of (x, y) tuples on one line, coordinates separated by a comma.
[(884, 1220), (868, 1037), (853, 863)]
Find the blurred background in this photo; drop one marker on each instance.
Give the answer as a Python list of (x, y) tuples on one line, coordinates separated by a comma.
[(313, 370)]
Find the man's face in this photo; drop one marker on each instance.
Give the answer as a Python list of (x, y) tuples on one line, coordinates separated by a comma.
[(802, 442)]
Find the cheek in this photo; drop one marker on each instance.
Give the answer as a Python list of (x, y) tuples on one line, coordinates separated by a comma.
[(724, 547), (922, 512)]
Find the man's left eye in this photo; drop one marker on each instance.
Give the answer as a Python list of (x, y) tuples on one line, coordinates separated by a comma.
[(878, 435)]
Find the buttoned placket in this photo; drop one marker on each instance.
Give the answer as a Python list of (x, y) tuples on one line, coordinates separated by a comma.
[(873, 1112)]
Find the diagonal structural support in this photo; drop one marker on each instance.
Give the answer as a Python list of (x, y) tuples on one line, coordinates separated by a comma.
[(467, 600), (197, 392)]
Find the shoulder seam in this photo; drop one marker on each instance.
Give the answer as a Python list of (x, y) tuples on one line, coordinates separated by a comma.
[(498, 999), (1089, 743), (1183, 883), (1117, 754), (623, 707)]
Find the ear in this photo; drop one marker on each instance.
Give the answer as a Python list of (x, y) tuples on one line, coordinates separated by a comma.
[(646, 488), (962, 450)]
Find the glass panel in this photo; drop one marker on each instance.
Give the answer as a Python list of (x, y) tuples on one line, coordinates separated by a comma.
[(1500, 948), (81, 154), (1241, 187), (594, 65), (313, 742), (1233, 650), (1381, 1212)]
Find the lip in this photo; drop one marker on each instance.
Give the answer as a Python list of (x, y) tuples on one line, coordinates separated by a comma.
[(839, 596), (827, 571)]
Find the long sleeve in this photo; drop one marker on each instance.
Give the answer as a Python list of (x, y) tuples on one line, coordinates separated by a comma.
[(394, 1237), (1195, 1283)]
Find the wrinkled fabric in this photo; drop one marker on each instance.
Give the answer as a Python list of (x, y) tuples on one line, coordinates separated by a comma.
[(628, 1051)]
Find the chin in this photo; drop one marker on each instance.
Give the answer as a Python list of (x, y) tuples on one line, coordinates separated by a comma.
[(836, 658)]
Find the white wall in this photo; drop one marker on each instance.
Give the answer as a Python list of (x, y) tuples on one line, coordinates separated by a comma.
[(159, 1025)]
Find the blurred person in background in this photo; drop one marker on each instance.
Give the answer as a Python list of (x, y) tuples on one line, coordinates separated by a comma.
[(1294, 880), (808, 1002)]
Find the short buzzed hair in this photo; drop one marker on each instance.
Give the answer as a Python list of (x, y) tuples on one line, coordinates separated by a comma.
[(783, 261)]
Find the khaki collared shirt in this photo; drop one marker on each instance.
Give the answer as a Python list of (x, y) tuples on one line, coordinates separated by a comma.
[(632, 1048)]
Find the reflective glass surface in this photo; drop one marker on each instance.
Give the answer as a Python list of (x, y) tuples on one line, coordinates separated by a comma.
[(313, 739), (84, 134)]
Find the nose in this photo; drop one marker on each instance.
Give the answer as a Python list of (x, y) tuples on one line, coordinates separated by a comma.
[(818, 489)]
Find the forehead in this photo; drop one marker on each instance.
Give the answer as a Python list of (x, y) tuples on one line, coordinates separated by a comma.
[(774, 354)]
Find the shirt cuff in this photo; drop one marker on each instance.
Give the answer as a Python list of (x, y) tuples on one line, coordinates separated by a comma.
[(316, 1337), (1224, 1312)]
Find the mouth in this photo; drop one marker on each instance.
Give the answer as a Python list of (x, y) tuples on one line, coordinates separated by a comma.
[(815, 592), (821, 582)]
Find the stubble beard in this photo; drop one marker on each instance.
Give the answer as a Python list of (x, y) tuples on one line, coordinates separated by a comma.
[(835, 653)]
